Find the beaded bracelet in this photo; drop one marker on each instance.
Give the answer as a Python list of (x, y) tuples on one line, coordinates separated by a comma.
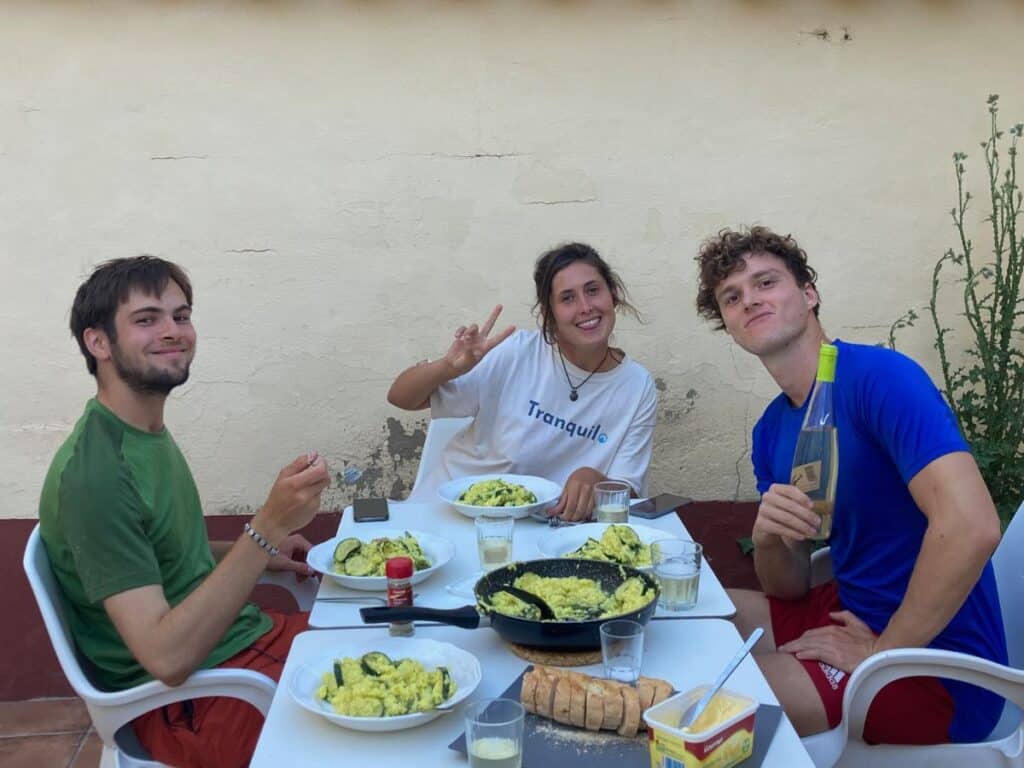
[(264, 544)]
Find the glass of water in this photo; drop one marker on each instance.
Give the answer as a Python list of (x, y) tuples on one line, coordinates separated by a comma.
[(622, 650), (677, 568), (611, 501), (494, 733), (494, 540)]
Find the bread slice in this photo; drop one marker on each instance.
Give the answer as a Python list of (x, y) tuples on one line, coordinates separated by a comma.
[(662, 690), (528, 693), (645, 690), (577, 704), (630, 711), (613, 709), (545, 693), (562, 700), (595, 711)]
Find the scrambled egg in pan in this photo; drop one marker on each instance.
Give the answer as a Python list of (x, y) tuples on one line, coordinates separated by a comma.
[(376, 686), (572, 598), (497, 493), (618, 544)]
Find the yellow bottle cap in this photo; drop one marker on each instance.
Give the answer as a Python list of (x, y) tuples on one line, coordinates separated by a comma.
[(827, 362)]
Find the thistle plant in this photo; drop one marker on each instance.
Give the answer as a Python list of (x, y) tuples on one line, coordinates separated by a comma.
[(983, 378)]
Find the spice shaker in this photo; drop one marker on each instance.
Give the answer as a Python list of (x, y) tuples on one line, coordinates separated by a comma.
[(399, 573)]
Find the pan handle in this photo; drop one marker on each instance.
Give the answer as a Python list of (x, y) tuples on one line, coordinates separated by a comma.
[(466, 617)]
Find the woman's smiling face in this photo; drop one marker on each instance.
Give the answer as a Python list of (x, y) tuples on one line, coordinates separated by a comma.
[(583, 307)]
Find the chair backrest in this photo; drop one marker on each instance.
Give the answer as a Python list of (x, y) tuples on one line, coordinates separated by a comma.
[(48, 597), (1008, 564), (439, 434)]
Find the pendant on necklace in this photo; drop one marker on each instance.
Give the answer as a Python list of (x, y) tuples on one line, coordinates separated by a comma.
[(574, 395)]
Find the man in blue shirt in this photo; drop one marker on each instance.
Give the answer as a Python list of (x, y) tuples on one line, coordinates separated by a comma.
[(914, 525)]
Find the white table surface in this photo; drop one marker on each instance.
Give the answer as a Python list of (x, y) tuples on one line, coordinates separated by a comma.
[(442, 520), (686, 653)]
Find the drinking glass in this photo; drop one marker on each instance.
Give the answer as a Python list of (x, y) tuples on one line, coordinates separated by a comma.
[(494, 733), (677, 568), (494, 540), (622, 649), (611, 501)]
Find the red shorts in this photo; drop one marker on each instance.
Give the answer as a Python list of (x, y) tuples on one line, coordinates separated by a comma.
[(219, 732), (914, 710)]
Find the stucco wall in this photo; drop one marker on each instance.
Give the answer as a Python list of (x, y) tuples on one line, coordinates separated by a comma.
[(348, 181)]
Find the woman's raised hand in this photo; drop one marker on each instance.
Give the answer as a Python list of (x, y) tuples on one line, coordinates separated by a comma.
[(472, 343)]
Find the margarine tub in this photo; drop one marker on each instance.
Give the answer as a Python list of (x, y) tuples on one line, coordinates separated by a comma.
[(722, 736)]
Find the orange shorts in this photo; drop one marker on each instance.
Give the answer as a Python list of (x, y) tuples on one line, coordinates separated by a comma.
[(219, 732), (914, 710)]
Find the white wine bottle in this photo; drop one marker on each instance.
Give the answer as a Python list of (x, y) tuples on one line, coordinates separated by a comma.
[(816, 459)]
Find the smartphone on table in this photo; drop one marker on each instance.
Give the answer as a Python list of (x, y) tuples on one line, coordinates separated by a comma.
[(370, 510), (657, 506)]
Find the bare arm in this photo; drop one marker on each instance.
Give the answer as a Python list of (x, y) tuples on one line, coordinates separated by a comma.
[(412, 389), (219, 549), (782, 552), (963, 531), (170, 643)]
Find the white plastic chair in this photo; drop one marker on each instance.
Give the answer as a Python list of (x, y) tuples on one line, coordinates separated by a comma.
[(844, 745), (439, 433), (113, 711)]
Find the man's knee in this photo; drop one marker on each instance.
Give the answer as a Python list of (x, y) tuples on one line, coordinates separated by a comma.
[(795, 690), (752, 611)]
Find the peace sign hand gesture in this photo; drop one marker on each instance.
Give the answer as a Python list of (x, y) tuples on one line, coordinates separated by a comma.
[(472, 343)]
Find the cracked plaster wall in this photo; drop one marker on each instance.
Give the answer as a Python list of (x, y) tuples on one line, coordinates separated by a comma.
[(347, 182)]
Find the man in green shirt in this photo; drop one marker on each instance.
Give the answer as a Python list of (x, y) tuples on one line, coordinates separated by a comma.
[(148, 595)]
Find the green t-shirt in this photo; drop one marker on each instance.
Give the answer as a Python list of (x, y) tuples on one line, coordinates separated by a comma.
[(120, 510)]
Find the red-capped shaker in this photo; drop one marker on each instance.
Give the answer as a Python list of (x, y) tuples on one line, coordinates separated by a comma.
[(399, 572)]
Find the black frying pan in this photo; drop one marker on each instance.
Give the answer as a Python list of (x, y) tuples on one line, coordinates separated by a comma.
[(563, 635)]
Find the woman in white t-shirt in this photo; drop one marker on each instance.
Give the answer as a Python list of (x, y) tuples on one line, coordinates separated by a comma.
[(560, 402)]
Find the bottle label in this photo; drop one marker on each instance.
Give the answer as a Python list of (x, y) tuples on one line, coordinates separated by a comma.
[(807, 477)]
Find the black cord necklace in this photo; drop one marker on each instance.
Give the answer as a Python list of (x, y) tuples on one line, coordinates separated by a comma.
[(574, 394)]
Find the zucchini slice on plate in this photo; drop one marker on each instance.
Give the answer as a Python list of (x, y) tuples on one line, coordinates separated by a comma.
[(359, 565), (376, 663), (346, 548)]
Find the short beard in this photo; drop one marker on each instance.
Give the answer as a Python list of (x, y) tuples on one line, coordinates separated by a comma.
[(146, 382)]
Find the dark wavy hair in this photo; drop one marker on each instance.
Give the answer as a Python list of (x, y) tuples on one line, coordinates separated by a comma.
[(721, 255), (110, 285), (554, 261)]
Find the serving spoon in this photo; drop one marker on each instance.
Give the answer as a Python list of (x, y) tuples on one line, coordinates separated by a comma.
[(528, 597), (694, 711)]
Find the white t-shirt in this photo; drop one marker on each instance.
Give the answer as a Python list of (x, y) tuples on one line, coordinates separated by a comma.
[(524, 422)]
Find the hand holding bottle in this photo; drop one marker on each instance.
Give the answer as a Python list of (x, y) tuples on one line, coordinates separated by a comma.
[(787, 512)]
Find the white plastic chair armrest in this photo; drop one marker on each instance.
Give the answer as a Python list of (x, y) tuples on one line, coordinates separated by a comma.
[(253, 687), (883, 668), (304, 592)]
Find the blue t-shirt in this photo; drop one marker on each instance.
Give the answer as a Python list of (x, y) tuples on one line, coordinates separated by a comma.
[(891, 422)]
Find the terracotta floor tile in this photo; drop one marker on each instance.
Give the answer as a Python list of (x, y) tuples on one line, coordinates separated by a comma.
[(39, 751), (89, 753), (20, 718)]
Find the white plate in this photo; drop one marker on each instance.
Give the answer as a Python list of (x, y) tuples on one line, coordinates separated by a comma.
[(547, 494), (562, 541), (463, 666), (437, 550)]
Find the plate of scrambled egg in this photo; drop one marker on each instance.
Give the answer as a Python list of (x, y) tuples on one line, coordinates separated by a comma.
[(515, 495), (357, 562), (386, 684), (614, 542)]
